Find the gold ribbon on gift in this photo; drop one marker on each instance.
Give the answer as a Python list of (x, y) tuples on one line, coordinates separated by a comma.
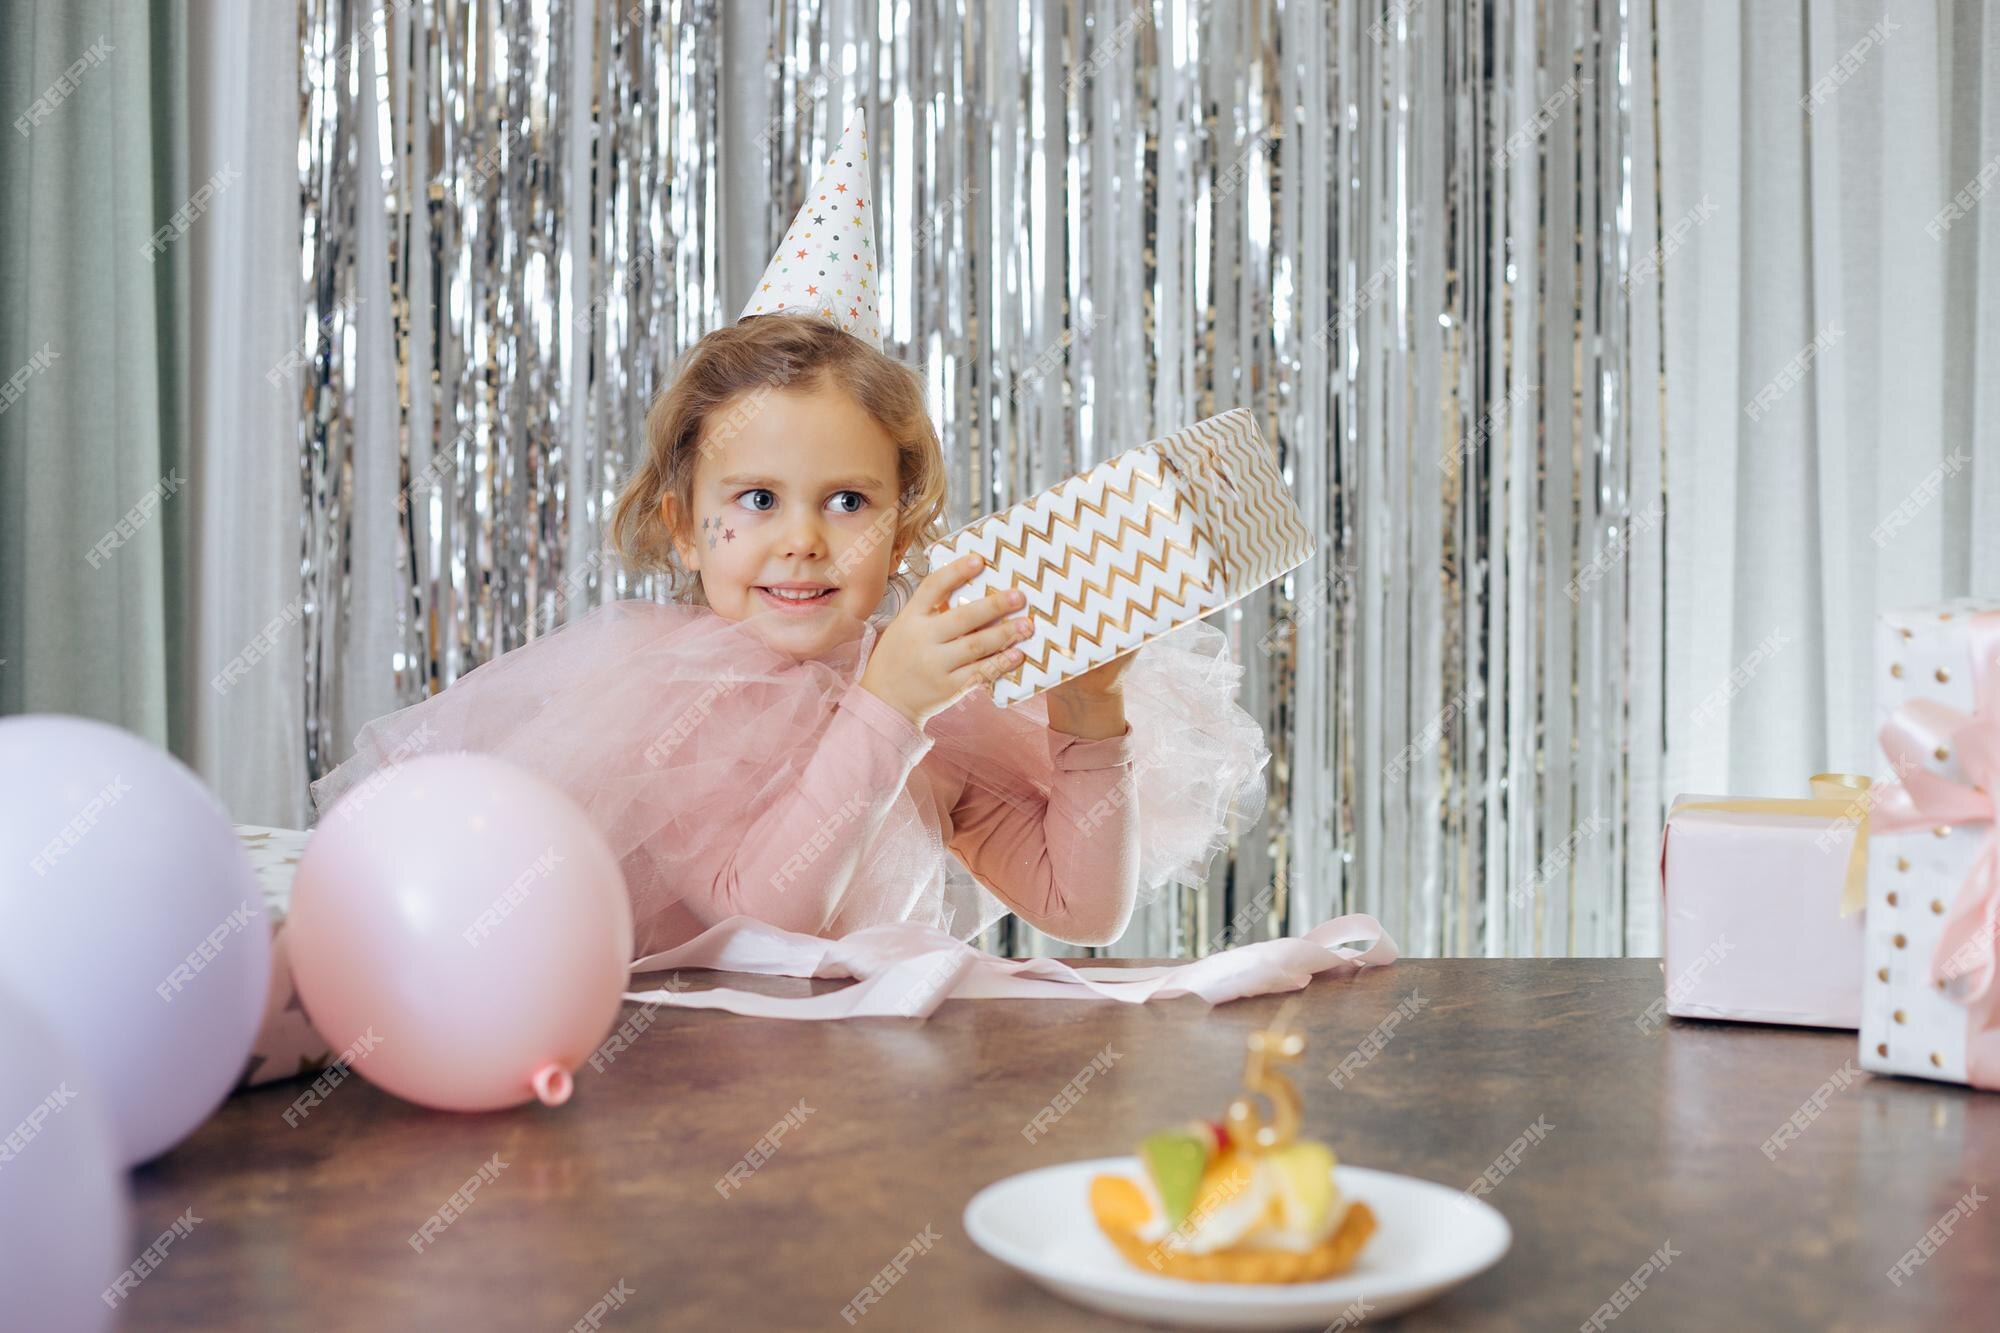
[(1841, 797)]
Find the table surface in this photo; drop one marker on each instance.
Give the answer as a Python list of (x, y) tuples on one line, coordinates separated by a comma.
[(1649, 1137)]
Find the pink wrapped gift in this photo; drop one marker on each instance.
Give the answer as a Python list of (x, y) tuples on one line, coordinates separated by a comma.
[(1931, 1005), (1762, 919), (287, 1044)]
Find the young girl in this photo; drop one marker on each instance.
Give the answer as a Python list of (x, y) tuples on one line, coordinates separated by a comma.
[(775, 741), (767, 744)]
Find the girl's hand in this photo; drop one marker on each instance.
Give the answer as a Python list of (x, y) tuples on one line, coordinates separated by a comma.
[(1091, 705), (1099, 682), (932, 654)]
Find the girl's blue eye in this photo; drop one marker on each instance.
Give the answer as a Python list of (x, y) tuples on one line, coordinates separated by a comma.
[(860, 501)]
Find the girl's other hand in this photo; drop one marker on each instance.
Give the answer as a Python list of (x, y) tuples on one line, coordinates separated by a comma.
[(932, 654)]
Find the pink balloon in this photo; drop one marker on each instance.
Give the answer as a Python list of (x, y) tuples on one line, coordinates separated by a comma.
[(461, 930)]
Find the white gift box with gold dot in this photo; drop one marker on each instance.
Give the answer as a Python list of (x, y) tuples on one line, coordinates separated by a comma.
[(1910, 1025)]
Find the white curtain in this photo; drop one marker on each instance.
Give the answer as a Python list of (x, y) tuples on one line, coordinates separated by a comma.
[(247, 708), (1832, 362)]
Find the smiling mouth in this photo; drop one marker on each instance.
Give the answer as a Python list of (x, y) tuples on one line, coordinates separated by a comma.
[(797, 596)]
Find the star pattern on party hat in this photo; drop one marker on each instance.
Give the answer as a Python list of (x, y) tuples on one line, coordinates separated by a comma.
[(826, 265)]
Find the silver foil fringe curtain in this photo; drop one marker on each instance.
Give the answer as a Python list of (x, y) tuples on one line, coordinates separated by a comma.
[(1410, 235)]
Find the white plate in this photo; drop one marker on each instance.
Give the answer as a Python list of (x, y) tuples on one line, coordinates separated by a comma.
[(1428, 1237)]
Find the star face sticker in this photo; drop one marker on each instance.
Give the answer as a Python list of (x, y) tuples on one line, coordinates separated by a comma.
[(728, 534)]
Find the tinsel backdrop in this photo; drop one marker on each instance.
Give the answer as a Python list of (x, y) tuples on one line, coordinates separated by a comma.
[(1414, 237)]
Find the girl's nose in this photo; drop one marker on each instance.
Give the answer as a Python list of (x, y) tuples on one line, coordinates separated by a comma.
[(803, 538)]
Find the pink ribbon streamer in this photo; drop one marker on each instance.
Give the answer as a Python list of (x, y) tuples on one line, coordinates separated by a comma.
[(1924, 799), (907, 970)]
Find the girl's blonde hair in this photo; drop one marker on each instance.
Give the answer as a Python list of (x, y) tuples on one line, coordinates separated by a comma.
[(777, 352)]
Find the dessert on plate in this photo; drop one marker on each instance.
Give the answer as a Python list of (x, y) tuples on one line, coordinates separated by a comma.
[(1237, 1200)]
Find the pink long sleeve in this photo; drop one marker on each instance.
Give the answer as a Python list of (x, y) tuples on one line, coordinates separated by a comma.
[(1069, 866), (795, 865)]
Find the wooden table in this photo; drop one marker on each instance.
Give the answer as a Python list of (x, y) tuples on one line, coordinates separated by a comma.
[(1647, 1138)]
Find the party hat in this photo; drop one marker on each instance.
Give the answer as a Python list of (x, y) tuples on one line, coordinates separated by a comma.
[(827, 264)]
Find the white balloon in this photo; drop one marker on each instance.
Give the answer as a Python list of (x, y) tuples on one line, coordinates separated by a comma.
[(63, 1209), (130, 920)]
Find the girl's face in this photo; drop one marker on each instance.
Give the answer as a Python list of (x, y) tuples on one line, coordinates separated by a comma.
[(794, 520)]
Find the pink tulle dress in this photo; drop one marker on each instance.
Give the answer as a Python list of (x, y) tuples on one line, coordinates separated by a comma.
[(731, 777)]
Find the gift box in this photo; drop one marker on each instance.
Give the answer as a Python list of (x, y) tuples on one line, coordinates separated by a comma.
[(1143, 543), (287, 1044), (1928, 993), (1762, 920)]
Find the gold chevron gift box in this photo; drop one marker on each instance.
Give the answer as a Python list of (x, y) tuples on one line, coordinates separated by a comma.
[(1136, 547)]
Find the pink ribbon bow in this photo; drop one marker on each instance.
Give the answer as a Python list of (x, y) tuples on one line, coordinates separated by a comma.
[(1923, 799)]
